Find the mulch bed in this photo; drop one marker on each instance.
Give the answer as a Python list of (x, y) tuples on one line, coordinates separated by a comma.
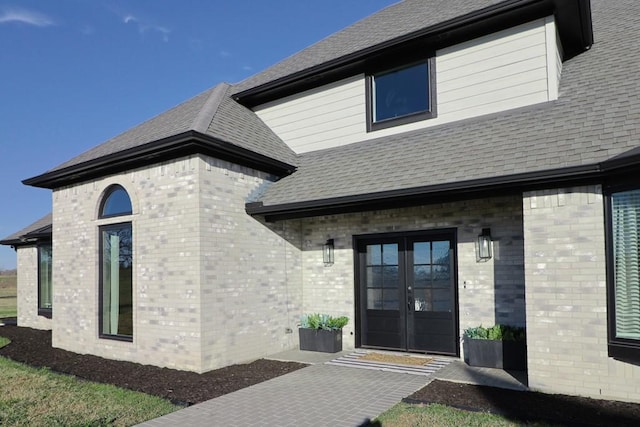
[(33, 347), (529, 406)]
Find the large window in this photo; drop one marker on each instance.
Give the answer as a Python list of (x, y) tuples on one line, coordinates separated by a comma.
[(401, 95), (116, 268), (624, 274), (44, 279)]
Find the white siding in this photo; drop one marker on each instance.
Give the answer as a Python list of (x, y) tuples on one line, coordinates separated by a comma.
[(554, 58), (509, 69)]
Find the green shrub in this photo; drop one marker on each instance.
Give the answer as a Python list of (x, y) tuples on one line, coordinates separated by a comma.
[(323, 321), (497, 333)]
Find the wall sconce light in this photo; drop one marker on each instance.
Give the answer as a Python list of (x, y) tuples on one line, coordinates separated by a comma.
[(327, 252), (484, 244)]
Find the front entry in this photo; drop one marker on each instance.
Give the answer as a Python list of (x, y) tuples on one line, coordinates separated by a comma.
[(407, 293)]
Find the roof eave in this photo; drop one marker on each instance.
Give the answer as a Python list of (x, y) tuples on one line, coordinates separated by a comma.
[(576, 37), (427, 194), (186, 143)]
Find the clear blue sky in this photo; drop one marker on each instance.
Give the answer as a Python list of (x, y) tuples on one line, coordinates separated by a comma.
[(74, 73)]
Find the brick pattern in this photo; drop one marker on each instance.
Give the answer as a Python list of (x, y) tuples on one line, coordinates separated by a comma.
[(566, 297), (251, 271), (210, 283), (489, 292), (28, 289)]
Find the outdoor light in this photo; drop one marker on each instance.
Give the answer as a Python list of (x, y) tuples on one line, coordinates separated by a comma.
[(327, 252), (484, 244)]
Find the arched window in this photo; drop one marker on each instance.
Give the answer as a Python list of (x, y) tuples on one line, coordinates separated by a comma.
[(116, 202), (116, 266)]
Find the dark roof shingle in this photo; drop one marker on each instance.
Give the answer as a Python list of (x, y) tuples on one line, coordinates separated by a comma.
[(596, 117), (38, 228)]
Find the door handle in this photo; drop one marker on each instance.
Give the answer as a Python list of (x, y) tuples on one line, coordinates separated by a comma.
[(409, 298)]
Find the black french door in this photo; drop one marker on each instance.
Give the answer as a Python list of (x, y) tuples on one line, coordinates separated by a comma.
[(407, 293)]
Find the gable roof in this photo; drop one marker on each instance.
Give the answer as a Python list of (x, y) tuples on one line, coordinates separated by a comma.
[(38, 230), (593, 128), (210, 122)]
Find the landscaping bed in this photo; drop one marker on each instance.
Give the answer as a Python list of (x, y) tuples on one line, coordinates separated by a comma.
[(33, 347), (529, 406)]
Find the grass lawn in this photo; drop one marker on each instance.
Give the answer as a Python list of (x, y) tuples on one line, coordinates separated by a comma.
[(405, 415), (39, 397), (8, 300)]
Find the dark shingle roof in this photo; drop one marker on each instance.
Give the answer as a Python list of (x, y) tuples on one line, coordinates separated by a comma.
[(395, 21), (596, 117), (40, 228), (212, 113)]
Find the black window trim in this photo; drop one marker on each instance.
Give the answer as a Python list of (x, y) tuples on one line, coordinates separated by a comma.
[(623, 349), (409, 118), (102, 335), (109, 191), (44, 312)]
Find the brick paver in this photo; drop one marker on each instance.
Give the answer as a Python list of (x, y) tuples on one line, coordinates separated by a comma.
[(319, 395)]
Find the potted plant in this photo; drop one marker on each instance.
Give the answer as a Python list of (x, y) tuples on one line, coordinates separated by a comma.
[(321, 332), (500, 346)]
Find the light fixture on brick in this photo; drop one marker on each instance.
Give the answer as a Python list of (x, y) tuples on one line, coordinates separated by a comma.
[(484, 244), (327, 252)]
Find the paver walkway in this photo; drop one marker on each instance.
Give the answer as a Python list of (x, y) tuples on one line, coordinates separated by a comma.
[(330, 392), (318, 395)]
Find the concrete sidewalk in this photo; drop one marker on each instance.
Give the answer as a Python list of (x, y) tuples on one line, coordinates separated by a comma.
[(318, 395)]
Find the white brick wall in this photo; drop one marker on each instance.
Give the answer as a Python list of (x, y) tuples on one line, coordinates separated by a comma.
[(196, 301), (251, 271), (28, 289), (566, 297), (331, 289)]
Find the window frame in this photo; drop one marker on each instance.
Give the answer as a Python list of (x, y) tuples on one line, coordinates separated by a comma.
[(101, 334), (625, 349), (431, 113), (105, 198), (43, 311)]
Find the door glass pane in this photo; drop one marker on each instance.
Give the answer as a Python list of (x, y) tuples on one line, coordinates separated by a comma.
[(441, 276), (422, 300), (422, 253), (441, 252), (390, 254), (374, 277), (374, 299), (391, 279), (441, 299), (390, 300), (422, 276), (374, 254)]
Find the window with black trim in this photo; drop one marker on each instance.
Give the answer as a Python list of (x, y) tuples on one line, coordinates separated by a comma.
[(623, 243), (116, 267), (401, 95), (45, 289)]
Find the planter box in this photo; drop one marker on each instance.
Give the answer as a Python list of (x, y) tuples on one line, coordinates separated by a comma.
[(320, 340), (496, 354)]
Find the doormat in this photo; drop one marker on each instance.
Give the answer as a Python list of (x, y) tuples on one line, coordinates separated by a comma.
[(396, 359), (362, 359)]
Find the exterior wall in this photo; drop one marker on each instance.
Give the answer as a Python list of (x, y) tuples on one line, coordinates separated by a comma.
[(566, 297), (505, 70), (251, 271), (28, 289), (184, 221), (489, 292)]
